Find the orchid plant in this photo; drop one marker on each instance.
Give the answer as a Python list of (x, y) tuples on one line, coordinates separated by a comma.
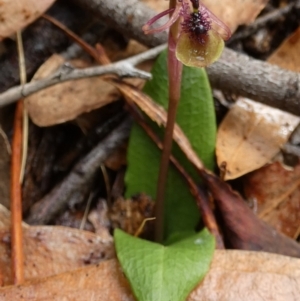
[(158, 272), (196, 39)]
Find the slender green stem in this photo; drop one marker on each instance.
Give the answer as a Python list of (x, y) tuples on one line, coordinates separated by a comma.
[(174, 72)]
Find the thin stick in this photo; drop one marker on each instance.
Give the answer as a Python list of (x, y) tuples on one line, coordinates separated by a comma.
[(17, 167), (174, 73), (16, 199), (86, 47)]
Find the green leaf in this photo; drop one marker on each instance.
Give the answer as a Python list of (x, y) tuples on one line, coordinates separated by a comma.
[(196, 117), (163, 273)]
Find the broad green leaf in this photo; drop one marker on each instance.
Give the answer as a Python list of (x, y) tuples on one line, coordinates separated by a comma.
[(163, 273), (197, 119)]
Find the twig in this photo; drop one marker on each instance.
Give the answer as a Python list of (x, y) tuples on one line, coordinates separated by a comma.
[(206, 212), (19, 152), (88, 48), (124, 68), (83, 172), (16, 199), (233, 73)]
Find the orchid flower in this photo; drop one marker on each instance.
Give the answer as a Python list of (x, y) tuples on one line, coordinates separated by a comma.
[(201, 35)]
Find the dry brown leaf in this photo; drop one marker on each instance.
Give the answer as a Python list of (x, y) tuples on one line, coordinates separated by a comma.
[(233, 276), (51, 250), (15, 16), (250, 135), (234, 145), (275, 193), (66, 101)]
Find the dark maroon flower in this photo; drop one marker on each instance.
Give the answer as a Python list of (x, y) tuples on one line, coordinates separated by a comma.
[(201, 34)]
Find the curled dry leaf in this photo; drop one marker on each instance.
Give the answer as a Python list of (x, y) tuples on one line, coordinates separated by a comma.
[(66, 101), (233, 276), (19, 14), (250, 135), (275, 193), (50, 250)]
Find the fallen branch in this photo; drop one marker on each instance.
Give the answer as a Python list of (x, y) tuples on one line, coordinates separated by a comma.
[(234, 73), (124, 68)]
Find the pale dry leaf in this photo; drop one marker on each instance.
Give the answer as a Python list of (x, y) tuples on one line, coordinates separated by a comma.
[(233, 276), (275, 194), (51, 250), (250, 135), (247, 136), (15, 16), (250, 276), (65, 101)]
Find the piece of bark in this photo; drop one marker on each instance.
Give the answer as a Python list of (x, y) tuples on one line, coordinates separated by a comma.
[(82, 173), (233, 72), (243, 229), (41, 39)]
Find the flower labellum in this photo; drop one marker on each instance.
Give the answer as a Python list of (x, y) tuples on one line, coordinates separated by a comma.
[(201, 35)]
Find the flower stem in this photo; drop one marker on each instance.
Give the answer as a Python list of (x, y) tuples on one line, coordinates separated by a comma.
[(174, 73)]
